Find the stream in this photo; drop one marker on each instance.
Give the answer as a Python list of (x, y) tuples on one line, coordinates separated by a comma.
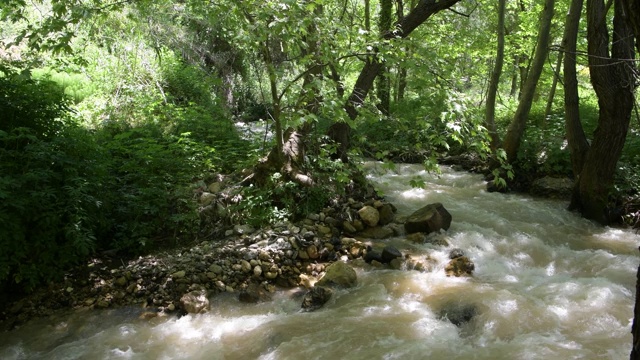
[(547, 285)]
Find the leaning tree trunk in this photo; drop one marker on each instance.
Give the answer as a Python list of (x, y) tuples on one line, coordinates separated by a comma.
[(613, 80), (554, 84), (341, 132), (576, 139), (516, 129)]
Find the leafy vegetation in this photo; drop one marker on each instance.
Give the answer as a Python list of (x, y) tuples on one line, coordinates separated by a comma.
[(115, 115)]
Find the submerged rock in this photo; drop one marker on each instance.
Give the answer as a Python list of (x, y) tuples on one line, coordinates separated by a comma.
[(460, 266), (458, 314), (428, 219), (254, 293), (316, 297)]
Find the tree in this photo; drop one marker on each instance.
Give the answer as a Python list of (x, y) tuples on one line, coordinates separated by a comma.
[(340, 132), (612, 77), (490, 107), (576, 139), (384, 81), (517, 127)]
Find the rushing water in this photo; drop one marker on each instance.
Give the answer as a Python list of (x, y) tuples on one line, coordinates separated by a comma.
[(547, 285)]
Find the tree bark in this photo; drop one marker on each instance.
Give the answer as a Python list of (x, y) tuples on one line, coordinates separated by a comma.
[(554, 84), (613, 80), (490, 107), (635, 328), (576, 139), (517, 127), (384, 82), (340, 132)]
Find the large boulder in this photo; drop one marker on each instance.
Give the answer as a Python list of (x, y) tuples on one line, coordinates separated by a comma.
[(316, 297), (387, 214), (339, 274), (195, 302), (369, 215), (428, 219)]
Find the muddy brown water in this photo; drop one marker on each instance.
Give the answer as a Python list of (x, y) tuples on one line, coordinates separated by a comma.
[(547, 285)]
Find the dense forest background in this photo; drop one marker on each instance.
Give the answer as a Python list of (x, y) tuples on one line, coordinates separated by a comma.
[(115, 116)]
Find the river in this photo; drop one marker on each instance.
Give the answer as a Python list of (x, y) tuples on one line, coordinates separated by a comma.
[(547, 285)]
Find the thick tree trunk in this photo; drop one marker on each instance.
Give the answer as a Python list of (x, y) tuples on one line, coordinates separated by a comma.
[(340, 132), (516, 129), (578, 144), (613, 80), (490, 107), (633, 10)]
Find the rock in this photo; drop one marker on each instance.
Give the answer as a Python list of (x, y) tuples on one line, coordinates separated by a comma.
[(148, 315), (215, 187), (369, 215), (245, 266), (257, 271), (243, 229), (348, 227), (323, 230), (436, 239), (428, 219), (389, 253), (387, 214), (553, 187), (316, 297), (254, 293), (195, 302), (417, 237), (216, 269), (458, 314), (396, 264), (373, 255), (206, 198), (377, 232), (178, 274), (307, 281), (121, 281), (456, 253), (312, 252), (339, 274), (460, 266), (358, 225)]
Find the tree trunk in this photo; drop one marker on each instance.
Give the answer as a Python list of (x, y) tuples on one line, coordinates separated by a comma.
[(384, 82), (518, 124), (633, 9), (514, 77), (490, 108), (635, 328), (613, 80), (554, 84), (578, 144), (340, 132)]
